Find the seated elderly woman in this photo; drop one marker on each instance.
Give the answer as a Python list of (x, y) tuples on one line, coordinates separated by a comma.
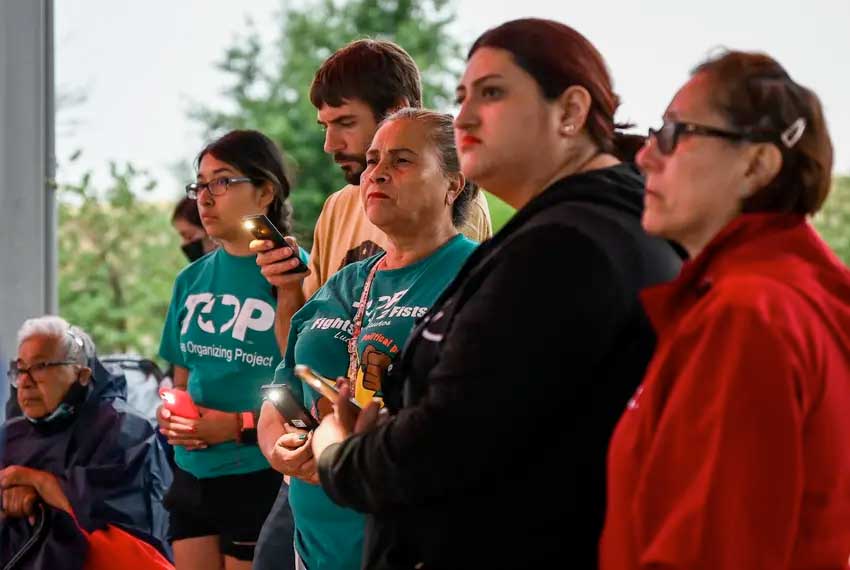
[(78, 455)]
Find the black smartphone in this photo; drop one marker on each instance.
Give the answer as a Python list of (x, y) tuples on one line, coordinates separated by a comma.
[(289, 407), (262, 228)]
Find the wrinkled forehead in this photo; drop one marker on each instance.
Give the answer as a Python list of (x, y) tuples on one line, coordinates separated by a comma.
[(40, 348), (696, 102), (401, 134)]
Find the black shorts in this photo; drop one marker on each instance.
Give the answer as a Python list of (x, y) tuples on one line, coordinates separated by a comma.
[(233, 507)]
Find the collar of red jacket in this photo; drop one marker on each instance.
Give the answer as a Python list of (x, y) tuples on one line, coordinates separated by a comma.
[(751, 243)]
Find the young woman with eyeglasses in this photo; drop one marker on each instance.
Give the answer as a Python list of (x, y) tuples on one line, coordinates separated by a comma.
[(220, 335), (734, 451)]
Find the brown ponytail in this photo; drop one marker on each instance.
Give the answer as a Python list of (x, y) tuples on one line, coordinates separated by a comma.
[(757, 95)]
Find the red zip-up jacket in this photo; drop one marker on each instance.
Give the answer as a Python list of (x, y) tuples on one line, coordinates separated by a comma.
[(735, 451)]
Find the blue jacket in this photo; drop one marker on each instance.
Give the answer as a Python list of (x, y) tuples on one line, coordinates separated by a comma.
[(110, 465)]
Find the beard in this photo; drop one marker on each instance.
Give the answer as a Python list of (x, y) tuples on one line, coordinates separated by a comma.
[(351, 173)]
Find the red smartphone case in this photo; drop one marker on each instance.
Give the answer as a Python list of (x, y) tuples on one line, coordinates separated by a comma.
[(179, 403)]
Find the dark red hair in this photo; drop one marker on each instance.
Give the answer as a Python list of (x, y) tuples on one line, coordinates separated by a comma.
[(558, 57)]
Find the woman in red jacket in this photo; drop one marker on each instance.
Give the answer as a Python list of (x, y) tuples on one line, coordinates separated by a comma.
[(735, 451)]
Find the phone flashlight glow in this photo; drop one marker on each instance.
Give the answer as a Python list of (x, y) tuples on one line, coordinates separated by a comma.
[(248, 224), (274, 395)]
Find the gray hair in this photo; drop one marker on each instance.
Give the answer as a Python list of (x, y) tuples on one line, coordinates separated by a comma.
[(441, 134), (76, 344)]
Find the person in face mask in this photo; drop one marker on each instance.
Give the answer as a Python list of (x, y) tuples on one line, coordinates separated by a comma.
[(78, 451), (194, 240)]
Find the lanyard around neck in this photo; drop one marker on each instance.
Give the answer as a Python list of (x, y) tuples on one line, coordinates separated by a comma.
[(353, 358)]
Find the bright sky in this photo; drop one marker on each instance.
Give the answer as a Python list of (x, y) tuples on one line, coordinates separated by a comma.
[(144, 65)]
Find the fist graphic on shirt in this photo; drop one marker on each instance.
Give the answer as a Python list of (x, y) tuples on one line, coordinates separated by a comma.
[(374, 364)]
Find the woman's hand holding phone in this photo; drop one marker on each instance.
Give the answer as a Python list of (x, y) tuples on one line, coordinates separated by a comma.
[(178, 430), (292, 455), (176, 418), (211, 428), (346, 420), (353, 419)]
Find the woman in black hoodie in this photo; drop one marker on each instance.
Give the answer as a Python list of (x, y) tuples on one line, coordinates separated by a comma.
[(509, 388)]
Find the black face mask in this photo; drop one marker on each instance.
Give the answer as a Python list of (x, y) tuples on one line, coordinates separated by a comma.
[(194, 250)]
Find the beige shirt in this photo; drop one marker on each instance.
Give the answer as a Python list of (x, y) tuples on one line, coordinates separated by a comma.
[(343, 234)]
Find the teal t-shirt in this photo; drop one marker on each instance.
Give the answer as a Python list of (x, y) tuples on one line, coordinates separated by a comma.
[(220, 326), (328, 536)]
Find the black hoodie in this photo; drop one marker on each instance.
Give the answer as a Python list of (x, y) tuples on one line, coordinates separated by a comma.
[(508, 391)]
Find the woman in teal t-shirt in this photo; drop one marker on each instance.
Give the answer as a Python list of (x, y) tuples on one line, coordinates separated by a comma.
[(220, 336), (412, 189)]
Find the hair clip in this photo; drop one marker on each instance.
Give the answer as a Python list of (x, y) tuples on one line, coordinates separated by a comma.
[(793, 133), (77, 340)]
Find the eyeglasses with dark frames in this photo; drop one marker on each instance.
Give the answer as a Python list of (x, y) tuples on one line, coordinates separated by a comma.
[(216, 186), (37, 372), (667, 137)]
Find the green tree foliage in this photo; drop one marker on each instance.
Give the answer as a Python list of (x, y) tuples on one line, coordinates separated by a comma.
[(270, 86), (500, 212), (833, 221), (118, 257)]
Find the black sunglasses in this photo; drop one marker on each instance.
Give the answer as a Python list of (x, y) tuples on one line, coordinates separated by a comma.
[(667, 137)]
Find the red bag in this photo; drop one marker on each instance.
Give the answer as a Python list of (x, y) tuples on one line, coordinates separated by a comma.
[(114, 548)]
